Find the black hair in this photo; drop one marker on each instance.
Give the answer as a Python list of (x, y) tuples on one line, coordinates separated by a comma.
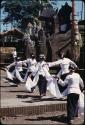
[(72, 67), (61, 54)]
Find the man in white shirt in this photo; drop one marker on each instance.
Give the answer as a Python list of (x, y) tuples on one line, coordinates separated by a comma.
[(74, 81)]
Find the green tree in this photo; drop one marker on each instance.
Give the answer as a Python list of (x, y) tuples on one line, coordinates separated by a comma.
[(20, 12)]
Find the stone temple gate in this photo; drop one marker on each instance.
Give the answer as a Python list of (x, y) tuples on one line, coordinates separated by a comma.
[(48, 35)]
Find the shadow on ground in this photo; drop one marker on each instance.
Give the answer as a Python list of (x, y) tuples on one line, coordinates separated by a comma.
[(60, 118)]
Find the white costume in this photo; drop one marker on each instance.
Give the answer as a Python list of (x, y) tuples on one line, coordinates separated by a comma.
[(43, 69), (38, 70), (15, 73), (64, 64), (14, 54), (74, 82), (31, 66)]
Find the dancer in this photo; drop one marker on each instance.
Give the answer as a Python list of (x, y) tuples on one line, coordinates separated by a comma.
[(15, 76), (64, 65), (31, 65)]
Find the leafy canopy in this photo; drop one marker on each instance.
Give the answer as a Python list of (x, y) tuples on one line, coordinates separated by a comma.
[(21, 11)]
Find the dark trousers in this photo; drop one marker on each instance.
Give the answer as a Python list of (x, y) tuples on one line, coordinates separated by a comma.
[(62, 88), (42, 84), (16, 80), (72, 105)]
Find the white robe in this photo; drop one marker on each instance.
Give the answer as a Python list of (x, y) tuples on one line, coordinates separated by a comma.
[(31, 66), (9, 75), (51, 83), (15, 73), (64, 64)]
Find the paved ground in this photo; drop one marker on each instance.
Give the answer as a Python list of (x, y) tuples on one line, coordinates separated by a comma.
[(18, 96), (57, 118)]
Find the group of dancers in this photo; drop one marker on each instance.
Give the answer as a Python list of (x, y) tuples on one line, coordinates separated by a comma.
[(32, 73)]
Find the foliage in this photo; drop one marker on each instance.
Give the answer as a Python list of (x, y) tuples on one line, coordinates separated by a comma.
[(21, 11)]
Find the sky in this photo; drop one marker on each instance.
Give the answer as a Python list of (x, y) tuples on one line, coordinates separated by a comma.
[(78, 6), (58, 4)]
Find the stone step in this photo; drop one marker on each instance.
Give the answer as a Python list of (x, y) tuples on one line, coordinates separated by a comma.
[(36, 108)]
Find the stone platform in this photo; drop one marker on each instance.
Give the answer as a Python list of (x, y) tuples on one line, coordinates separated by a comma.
[(17, 101)]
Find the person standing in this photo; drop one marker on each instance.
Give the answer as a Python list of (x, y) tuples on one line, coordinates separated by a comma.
[(74, 81)]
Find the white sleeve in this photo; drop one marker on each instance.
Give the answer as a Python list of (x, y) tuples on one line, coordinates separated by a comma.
[(73, 63), (36, 69), (12, 64), (46, 66), (20, 62), (25, 61), (63, 83), (35, 62), (81, 82), (59, 73), (51, 64)]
